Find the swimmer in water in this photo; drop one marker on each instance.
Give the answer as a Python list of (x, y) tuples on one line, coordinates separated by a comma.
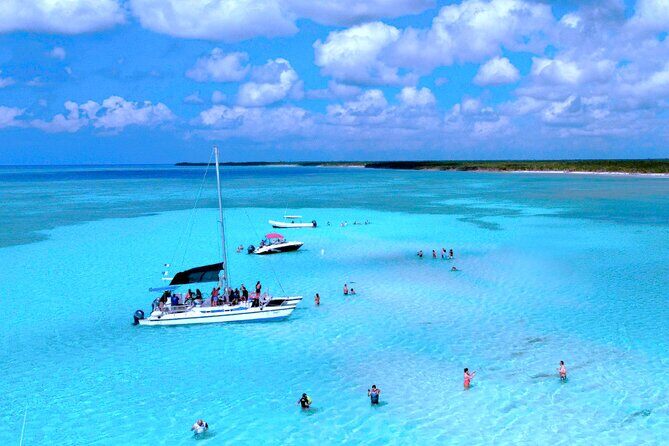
[(454, 269), (434, 254), (562, 370), (352, 291), (317, 299), (420, 253), (374, 394), (200, 426), (468, 378), (345, 289), (450, 253), (305, 401), (443, 253)]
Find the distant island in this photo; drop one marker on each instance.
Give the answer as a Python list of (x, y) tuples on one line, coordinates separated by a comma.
[(645, 166)]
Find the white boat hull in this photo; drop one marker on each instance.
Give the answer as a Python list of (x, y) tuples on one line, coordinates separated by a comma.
[(277, 248), (222, 314), (286, 224)]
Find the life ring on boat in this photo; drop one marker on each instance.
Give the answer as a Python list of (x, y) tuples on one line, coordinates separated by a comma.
[(138, 316)]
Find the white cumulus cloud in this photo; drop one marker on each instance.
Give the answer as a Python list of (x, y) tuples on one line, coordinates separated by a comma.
[(220, 67), (497, 71), (226, 20), (347, 12), (114, 113), (59, 16), (354, 54), (255, 123), (269, 83), (58, 52), (6, 81), (117, 113), (413, 97), (71, 122), (8, 116), (472, 31)]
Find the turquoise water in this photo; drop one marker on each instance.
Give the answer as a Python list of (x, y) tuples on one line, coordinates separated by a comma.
[(552, 267)]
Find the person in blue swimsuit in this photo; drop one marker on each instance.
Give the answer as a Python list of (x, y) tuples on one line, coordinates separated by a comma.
[(374, 394)]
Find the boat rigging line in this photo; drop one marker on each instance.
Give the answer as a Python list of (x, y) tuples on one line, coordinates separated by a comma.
[(191, 219)]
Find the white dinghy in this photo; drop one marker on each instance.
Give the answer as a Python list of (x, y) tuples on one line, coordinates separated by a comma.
[(292, 221), (179, 306)]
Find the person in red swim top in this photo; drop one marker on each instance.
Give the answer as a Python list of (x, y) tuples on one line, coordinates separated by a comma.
[(562, 370), (468, 378)]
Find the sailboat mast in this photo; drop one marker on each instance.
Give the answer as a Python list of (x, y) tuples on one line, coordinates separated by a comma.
[(226, 278)]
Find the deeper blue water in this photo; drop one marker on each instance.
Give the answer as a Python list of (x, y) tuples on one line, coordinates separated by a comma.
[(553, 267)]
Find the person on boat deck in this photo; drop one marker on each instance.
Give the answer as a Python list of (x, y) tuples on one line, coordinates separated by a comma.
[(345, 289), (235, 296), (214, 297), (198, 294), (245, 293), (305, 401), (258, 288), (317, 299), (468, 378), (374, 394), (189, 295)]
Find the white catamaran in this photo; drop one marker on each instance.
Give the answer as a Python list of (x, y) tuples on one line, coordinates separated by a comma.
[(178, 306)]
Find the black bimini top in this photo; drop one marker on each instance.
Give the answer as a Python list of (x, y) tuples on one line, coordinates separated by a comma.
[(206, 273)]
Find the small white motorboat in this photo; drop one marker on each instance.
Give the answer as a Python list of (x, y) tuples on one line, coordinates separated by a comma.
[(274, 243), (292, 221)]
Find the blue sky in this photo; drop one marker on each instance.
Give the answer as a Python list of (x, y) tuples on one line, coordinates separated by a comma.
[(149, 81)]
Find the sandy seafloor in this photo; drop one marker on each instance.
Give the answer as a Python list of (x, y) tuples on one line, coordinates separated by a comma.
[(552, 267)]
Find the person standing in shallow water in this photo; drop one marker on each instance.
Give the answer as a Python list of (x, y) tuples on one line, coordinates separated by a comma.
[(434, 254), (374, 394), (345, 289), (562, 370), (468, 378), (305, 401), (317, 299)]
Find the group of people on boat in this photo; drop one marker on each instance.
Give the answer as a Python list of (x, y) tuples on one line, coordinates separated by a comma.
[(229, 296)]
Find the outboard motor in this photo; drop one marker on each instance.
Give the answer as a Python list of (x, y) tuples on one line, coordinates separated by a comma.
[(138, 316), (251, 249), (314, 223)]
